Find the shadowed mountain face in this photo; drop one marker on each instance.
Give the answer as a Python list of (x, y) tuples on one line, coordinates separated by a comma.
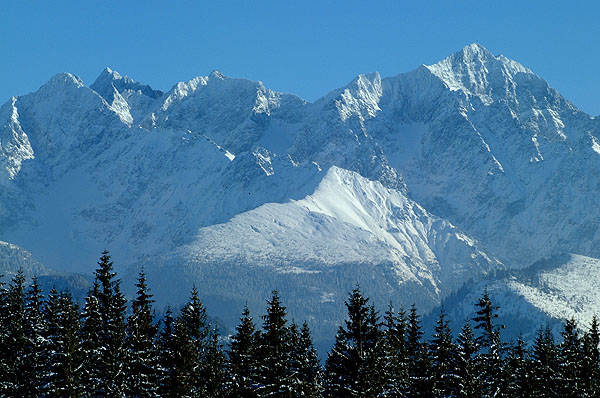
[(410, 185)]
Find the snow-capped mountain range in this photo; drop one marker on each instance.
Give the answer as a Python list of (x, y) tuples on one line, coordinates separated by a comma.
[(411, 185)]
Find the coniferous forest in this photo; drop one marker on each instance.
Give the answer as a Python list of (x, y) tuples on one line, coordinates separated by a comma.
[(50, 347)]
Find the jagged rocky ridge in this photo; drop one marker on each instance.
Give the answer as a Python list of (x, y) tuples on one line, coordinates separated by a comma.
[(410, 184)]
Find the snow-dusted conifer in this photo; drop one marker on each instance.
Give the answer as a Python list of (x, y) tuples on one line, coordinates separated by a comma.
[(189, 342), (353, 367), (4, 369), (491, 346), (394, 353), (306, 370), (192, 334), (243, 360), (591, 360), (443, 351), (92, 340), (15, 338), (142, 364), (517, 372), (570, 361), (544, 357), (63, 346), (103, 334), (274, 352), (167, 380), (419, 360), (468, 383), (112, 310), (33, 373), (214, 385)]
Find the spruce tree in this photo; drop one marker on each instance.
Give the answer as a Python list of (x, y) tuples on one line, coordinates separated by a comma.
[(544, 364), (353, 367), (468, 383), (167, 357), (64, 346), (186, 361), (491, 346), (306, 370), (442, 354), (92, 340), (142, 366), (394, 353), (4, 369), (517, 371), (591, 360), (103, 334), (570, 361), (192, 336), (243, 358), (214, 368), (15, 338), (112, 306), (33, 372), (274, 352), (419, 360), (188, 343)]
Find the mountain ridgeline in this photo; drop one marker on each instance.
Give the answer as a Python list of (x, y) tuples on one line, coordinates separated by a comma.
[(412, 185)]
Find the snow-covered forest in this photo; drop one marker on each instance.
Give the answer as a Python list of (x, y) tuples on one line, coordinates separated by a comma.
[(50, 347)]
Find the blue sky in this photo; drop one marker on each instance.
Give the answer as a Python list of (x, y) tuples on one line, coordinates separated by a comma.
[(304, 47)]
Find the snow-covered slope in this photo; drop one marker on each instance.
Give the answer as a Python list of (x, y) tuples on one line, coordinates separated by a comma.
[(349, 230), (348, 219), (548, 292), (415, 181)]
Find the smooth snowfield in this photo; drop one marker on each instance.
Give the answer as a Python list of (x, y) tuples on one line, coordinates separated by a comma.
[(347, 219)]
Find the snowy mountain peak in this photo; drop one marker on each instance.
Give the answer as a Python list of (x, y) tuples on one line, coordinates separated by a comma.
[(474, 51), (111, 80), (217, 75), (108, 76), (62, 81), (113, 74), (476, 72), (345, 186), (361, 97)]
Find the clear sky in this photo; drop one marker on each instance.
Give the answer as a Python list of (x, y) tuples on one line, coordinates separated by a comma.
[(304, 47)]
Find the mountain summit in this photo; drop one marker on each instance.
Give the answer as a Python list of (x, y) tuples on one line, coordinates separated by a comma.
[(411, 184)]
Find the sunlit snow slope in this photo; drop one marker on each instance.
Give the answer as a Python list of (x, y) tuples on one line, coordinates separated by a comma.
[(548, 292)]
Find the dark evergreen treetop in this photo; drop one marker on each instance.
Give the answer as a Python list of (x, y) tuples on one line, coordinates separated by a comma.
[(468, 382), (167, 357), (419, 359), (353, 366), (443, 352), (491, 345), (33, 373), (243, 358), (14, 336), (63, 378), (394, 353), (274, 351), (110, 304), (142, 367), (49, 349)]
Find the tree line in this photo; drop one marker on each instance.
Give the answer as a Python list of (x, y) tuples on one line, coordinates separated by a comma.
[(49, 347)]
